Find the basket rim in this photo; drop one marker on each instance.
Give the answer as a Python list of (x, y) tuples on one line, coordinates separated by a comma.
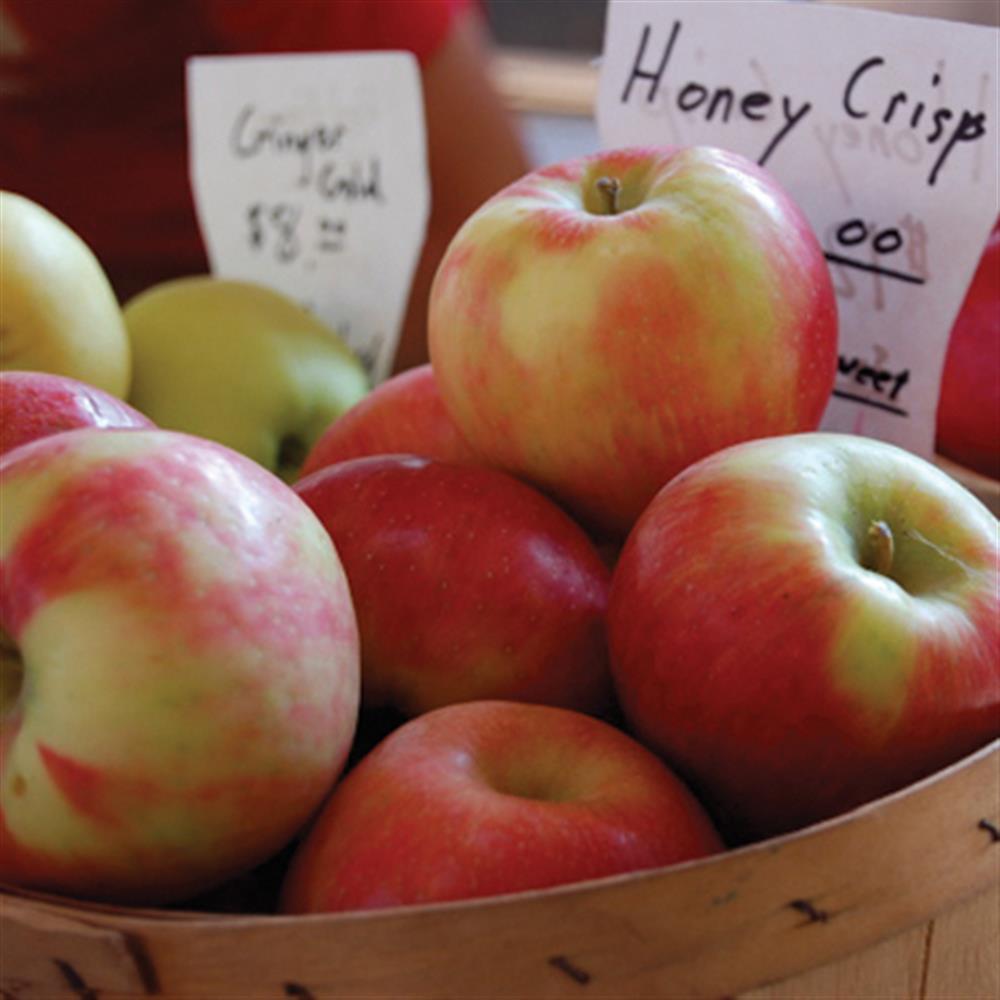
[(977, 481), (55, 904)]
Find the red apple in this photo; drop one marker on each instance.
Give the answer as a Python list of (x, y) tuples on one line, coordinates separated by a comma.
[(36, 404), (179, 667), (488, 798), (467, 584), (602, 323), (968, 416), (803, 623), (403, 415)]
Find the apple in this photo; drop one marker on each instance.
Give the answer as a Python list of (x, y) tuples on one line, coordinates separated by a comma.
[(180, 665), (493, 797), (603, 322), (240, 364), (36, 404), (60, 313), (803, 623), (404, 414), (968, 415), (467, 584)]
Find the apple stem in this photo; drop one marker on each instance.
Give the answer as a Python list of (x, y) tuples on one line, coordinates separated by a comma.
[(879, 549), (611, 188)]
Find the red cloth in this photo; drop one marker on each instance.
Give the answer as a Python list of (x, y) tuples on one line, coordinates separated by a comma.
[(92, 105)]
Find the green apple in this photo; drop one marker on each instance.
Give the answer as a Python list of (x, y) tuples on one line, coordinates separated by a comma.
[(60, 314), (241, 364)]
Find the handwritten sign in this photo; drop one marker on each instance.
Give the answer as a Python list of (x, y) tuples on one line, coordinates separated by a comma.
[(882, 127), (309, 175)]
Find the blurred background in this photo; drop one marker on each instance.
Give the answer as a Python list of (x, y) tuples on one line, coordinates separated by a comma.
[(546, 67)]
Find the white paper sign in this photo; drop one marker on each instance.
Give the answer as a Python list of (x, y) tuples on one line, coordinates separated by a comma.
[(882, 127), (310, 175)]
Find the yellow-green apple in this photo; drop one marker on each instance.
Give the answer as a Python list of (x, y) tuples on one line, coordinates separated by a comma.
[(803, 623), (60, 313), (493, 797), (36, 404), (968, 415), (180, 664), (467, 584), (403, 415), (240, 364), (603, 322)]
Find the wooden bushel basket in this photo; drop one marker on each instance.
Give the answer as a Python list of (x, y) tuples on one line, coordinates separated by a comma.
[(898, 898), (918, 870)]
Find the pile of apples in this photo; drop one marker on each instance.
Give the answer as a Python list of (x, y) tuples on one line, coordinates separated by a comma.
[(587, 594)]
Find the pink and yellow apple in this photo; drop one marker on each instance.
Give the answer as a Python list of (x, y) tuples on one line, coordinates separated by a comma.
[(493, 797), (602, 323), (403, 415), (968, 416), (467, 584), (179, 664), (804, 623), (36, 404)]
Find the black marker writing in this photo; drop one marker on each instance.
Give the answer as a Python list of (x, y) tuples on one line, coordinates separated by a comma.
[(282, 221), (712, 103), (863, 96), (638, 73), (254, 134), (867, 93), (356, 181), (882, 380), (881, 242), (286, 231), (879, 386)]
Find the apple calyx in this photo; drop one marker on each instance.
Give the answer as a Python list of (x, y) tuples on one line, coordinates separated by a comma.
[(523, 780), (610, 189), (292, 451), (879, 548), (11, 674)]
